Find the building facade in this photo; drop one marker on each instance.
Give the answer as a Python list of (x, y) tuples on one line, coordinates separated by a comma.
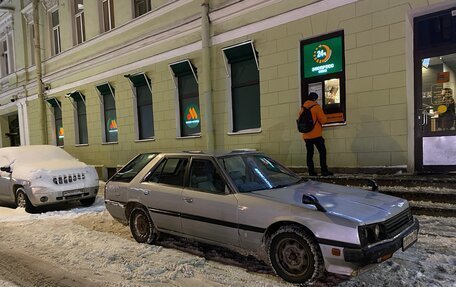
[(121, 77)]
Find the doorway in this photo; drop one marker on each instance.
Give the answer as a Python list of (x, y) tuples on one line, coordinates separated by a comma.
[(435, 91), (13, 133)]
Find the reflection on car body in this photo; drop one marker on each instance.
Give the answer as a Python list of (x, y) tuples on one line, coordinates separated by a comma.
[(39, 175), (248, 201)]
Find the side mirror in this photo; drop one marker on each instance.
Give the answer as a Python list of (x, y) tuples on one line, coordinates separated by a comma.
[(6, 169), (312, 200), (372, 184)]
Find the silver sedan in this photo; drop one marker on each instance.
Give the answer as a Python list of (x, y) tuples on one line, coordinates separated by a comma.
[(248, 202)]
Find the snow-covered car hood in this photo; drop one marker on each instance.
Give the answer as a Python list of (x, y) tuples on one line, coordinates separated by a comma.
[(351, 203), (50, 168)]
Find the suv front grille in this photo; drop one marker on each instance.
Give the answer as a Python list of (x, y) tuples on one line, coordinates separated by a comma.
[(396, 224), (68, 178)]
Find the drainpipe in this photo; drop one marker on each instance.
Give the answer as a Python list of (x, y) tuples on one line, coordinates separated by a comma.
[(42, 117), (206, 75)]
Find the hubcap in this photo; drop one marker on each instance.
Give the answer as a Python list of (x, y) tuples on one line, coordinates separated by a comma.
[(292, 257), (21, 200), (141, 225)]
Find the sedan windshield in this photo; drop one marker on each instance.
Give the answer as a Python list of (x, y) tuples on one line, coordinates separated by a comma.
[(252, 172)]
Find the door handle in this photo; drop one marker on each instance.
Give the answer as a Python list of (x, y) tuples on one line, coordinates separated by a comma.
[(188, 200)]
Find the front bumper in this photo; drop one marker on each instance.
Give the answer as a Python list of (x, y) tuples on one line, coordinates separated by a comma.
[(46, 196), (379, 252)]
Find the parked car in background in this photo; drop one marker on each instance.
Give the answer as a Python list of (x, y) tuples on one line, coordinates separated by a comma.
[(248, 201), (38, 175)]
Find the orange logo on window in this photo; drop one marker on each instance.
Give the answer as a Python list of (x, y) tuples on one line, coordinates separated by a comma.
[(192, 115), (113, 125), (61, 132)]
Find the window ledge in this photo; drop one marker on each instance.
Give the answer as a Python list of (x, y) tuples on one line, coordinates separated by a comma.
[(79, 145), (188, 137), (334, 125), (108, 143), (145, 140), (244, 132)]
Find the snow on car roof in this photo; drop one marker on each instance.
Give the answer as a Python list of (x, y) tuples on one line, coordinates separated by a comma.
[(32, 153)]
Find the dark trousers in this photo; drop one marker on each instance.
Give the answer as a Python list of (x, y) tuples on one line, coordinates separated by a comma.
[(320, 144)]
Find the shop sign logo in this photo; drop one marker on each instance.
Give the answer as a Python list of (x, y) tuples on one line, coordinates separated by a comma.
[(321, 55), (112, 128), (191, 116), (61, 133)]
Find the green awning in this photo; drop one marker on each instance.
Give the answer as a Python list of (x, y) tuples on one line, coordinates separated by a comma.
[(105, 89), (183, 68), (239, 52), (77, 96), (54, 102), (139, 79)]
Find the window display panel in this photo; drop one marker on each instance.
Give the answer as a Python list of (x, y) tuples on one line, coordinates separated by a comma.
[(438, 94), (323, 72)]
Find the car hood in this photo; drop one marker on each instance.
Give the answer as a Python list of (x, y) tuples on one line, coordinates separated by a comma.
[(51, 168), (351, 203)]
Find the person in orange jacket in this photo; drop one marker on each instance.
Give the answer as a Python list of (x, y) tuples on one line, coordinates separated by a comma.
[(314, 137)]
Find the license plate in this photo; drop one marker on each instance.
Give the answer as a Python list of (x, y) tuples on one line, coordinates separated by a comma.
[(408, 240), (71, 192)]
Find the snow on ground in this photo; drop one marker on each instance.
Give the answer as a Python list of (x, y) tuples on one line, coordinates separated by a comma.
[(89, 243)]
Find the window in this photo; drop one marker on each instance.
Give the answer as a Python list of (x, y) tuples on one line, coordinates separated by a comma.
[(323, 72), (170, 171), (107, 11), (56, 48), (245, 87), (205, 177), (109, 117), (141, 7), (188, 97), (32, 44), (144, 107), (5, 58), (78, 7), (56, 108), (129, 171), (81, 117)]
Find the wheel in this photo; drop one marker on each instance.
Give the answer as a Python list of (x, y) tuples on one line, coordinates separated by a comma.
[(22, 200), (87, 201), (295, 255), (141, 226)]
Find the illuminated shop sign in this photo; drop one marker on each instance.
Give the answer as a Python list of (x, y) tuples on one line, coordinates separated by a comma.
[(112, 125), (323, 57), (61, 133), (192, 116)]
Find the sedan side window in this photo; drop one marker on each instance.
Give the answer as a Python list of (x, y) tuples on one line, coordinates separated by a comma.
[(170, 171), (205, 177)]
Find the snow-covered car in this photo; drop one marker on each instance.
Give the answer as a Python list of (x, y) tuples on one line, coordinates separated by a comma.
[(38, 175), (246, 201)]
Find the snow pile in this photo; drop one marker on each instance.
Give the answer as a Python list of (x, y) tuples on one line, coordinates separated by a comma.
[(89, 243)]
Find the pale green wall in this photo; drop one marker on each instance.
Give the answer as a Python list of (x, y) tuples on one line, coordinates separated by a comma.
[(376, 130)]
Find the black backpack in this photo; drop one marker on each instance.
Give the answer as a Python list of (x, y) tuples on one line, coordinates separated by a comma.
[(305, 121)]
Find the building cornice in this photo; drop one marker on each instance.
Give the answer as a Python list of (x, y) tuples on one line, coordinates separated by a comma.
[(6, 24), (50, 4), (27, 12)]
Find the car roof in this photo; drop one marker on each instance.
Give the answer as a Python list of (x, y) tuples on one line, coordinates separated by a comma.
[(211, 153)]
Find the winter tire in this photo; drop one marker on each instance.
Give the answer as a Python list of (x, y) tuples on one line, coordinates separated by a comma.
[(87, 201), (141, 226), (22, 200), (295, 256)]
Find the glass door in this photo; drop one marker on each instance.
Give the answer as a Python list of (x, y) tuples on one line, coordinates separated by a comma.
[(434, 47)]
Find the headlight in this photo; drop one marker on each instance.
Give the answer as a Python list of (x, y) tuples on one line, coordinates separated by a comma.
[(39, 190), (369, 234)]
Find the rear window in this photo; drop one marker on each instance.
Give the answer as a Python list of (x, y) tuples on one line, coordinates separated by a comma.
[(128, 172)]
